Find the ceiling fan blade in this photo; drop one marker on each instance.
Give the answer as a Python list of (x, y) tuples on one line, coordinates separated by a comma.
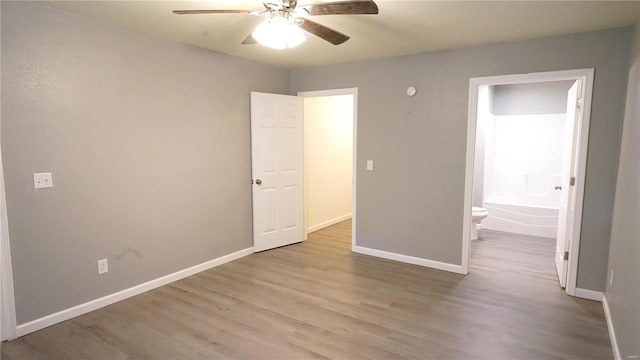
[(249, 40), (323, 32), (343, 8), (190, 12)]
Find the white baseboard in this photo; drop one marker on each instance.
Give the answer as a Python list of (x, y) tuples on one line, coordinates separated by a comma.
[(589, 294), (327, 223), (92, 305), (612, 333), (409, 259)]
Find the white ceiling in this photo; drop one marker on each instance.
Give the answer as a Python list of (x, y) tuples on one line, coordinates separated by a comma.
[(402, 27)]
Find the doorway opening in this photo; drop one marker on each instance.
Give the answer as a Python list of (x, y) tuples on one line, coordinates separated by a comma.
[(526, 158), (329, 158), (277, 168)]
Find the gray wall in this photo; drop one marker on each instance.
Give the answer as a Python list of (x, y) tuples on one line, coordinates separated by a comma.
[(623, 296), (413, 202), (148, 142), (529, 99)]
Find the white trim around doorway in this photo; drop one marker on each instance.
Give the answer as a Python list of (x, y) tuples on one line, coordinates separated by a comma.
[(7, 298), (354, 92), (474, 83)]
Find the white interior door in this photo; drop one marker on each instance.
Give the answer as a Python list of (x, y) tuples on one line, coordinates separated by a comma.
[(277, 168), (567, 209)]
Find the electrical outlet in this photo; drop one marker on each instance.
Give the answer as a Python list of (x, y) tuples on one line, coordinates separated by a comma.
[(103, 266), (611, 278), (42, 180)]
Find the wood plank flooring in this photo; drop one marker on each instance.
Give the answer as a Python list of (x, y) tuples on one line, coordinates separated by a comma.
[(317, 300)]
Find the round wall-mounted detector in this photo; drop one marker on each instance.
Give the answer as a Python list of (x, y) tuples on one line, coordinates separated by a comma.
[(411, 91)]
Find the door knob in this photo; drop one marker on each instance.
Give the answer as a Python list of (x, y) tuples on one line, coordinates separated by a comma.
[(258, 181), (558, 187)]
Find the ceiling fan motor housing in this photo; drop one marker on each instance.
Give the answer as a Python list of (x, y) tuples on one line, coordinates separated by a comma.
[(281, 5)]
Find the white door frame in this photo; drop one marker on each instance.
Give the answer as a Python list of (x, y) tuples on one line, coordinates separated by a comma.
[(7, 299), (474, 83), (334, 92)]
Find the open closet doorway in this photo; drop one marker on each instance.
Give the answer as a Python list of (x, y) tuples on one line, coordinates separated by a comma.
[(329, 158), (526, 160)]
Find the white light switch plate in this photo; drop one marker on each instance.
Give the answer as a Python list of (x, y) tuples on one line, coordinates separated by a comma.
[(369, 165), (103, 266), (42, 180)]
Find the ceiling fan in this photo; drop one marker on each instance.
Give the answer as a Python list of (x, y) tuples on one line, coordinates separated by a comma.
[(285, 19)]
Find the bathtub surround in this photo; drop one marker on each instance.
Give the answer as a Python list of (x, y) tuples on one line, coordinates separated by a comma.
[(522, 219), (523, 159)]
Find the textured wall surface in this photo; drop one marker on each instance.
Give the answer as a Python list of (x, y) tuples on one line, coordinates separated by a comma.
[(623, 294), (149, 145), (412, 203)]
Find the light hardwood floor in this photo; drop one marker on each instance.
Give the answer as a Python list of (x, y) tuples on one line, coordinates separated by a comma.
[(318, 300)]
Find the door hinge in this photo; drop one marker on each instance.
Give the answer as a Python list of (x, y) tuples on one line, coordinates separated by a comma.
[(566, 255), (579, 103), (572, 181)]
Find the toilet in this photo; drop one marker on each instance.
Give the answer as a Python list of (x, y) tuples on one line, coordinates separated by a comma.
[(477, 215)]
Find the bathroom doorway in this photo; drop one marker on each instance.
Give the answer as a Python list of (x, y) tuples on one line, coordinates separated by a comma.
[(329, 158), (526, 160)]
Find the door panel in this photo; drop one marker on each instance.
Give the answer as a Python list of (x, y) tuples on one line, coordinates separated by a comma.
[(277, 169), (566, 212)]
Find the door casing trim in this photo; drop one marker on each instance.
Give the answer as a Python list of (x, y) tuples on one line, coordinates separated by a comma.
[(354, 92), (586, 75)]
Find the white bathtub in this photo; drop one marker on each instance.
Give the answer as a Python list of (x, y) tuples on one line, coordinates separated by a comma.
[(521, 219)]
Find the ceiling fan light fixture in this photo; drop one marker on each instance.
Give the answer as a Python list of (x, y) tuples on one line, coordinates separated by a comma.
[(279, 32)]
